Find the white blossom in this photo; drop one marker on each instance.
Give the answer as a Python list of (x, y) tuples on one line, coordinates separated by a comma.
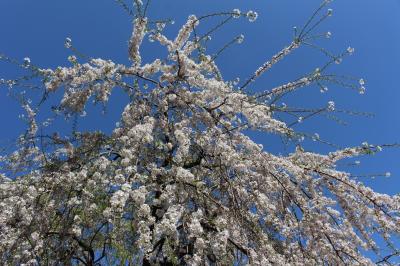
[(240, 38), (68, 43), (328, 34), (236, 13), (350, 50), (138, 33), (252, 15), (331, 106)]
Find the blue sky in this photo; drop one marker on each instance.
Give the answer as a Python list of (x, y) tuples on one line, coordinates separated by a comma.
[(100, 28)]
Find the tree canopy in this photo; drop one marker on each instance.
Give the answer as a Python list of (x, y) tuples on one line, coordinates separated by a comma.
[(179, 181)]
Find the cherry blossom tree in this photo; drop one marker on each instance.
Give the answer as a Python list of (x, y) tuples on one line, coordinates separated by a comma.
[(178, 182)]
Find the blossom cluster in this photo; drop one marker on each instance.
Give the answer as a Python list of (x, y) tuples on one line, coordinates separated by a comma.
[(178, 181)]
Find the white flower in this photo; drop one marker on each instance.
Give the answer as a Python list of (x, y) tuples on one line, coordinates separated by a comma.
[(68, 42), (72, 59), (35, 236), (361, 90), (328, 34), (236, 13), (107, 213), (160, 26), (331, 106), (169, 146), (388, 174), (361, 82), (194, 226), (76, 230), (252, 15), (350, 50), (27, 61), (240, 38), (184, 174), (323, 89)]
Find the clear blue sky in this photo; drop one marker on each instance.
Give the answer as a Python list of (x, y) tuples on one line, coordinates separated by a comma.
[(100, 28)]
